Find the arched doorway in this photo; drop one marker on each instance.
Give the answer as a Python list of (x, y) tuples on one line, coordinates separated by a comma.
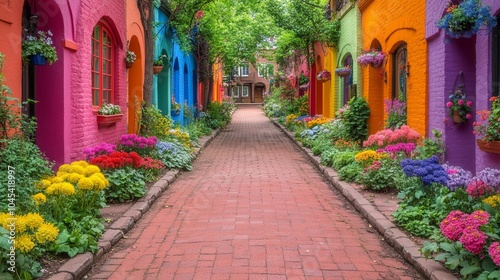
[(163, 86), (135, 85), (347, 81), (259, 90)]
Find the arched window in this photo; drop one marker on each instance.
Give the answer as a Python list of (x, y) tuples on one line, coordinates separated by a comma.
[(102, 65), (496, 60), (400, 60)]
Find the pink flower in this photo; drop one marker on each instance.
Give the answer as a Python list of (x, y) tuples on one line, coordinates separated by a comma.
[(468, 116), (453, 225), (478, 218), (461, 102), (473, 240), (449, 104), (469, 103), (494, 252)]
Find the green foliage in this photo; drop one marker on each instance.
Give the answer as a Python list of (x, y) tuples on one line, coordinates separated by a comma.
[(40, 43), (388, 176), (25, 267), (154, 123), (355, 119), (125, 184), (28, 171), (218, 115), (350, 172), (174, 155), (78, 235), (431, 146), (328, 156), (343, 158)]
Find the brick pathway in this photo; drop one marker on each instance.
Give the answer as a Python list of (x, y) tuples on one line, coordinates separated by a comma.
[(252, 208)]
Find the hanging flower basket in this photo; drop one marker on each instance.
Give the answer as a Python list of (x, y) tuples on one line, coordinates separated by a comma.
[(323, 76), (343, 72), (129, 64), (304, 86), (108, 120), (373, 58), (489, 147), (38, 59), (466, 19), (157, 69)]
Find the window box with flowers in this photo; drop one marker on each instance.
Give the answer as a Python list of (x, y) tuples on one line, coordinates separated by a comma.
[(343, 71), (158, 64), (488, 128), (130, 58), (39, 49), (458, 105), (466, 19), (108, 115), (373, 58), (323, 76)]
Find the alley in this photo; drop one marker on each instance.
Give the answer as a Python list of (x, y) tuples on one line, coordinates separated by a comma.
[(252, 208)]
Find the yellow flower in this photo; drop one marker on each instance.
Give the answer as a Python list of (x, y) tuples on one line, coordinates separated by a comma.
[(56, 180), (368, 156), (39, 198), (74, 178), (99, 183), (24, 243), (46, 232), (61, 173), (4, 219), (20, 224), (91, 169), (43, 184), (81, 163), (66, 189), (52, 189), (85, 184), (65, 168), (75, 168), (63, 176), (493, 200), (33, 220)]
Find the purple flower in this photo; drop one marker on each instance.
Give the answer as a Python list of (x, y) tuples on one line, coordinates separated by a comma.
[(459, 177), (490, 177)]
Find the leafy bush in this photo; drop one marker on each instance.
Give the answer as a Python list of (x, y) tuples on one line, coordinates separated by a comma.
[(125, 184), (343, 158), (328, 156), (350, 172), (174, 155), (153, 122), (355, 119), (28, 170), (382, 175), (218, 115)]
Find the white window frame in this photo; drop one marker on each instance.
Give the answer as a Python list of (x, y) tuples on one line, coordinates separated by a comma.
[(244, 71), (244, 91), (235, 92)]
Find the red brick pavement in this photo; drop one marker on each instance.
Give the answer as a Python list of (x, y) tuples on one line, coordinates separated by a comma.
[(252, 208)]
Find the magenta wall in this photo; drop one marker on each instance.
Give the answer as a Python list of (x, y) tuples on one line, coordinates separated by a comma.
[(446, 58), (67, 123)]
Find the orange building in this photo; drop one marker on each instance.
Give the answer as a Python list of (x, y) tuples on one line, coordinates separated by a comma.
[(135, 75), (397, 28)]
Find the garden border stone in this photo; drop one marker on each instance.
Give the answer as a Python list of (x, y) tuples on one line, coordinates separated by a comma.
[(399, 240), (76, 267)]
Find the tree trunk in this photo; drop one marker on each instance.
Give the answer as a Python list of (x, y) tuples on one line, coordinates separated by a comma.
[(146, 11)]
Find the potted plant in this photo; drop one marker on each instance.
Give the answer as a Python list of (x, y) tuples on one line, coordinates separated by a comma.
[(39, 49), (488, 127), (158, 64), (343, 71), (375, 58), (458, 105), (303, 81), (323, 76), (465, 19), (109, 114), (176, 107), (130, 58)]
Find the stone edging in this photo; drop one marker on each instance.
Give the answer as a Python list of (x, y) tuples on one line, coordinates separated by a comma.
[(406, 247), (77, 266)]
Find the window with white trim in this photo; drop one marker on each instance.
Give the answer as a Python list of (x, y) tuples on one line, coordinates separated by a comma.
[(244, 91)]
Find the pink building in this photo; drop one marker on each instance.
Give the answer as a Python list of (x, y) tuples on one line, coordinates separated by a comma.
[(90, 40)]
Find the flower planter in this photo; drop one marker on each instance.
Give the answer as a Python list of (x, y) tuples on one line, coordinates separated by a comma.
[(108, 120), (489, 147), (374, 59), (38, 59), (175, 112), (343, 72), (456, 117), (129, 64), (324, 76), (157, 69)]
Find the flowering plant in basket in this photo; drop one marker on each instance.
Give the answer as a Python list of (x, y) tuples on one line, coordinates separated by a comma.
[(41, 44), (488, 127), (459, 104), (466, 18), (372, 57)]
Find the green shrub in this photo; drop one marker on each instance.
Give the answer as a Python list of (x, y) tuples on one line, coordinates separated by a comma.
[(154, 123), (355, 119), (343, 158), (350, 172), (125, 184), (174, 155), (218, 115), (29, 166), (383, 175)]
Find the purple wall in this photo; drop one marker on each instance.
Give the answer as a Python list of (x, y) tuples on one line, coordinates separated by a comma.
[(446, 58)]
